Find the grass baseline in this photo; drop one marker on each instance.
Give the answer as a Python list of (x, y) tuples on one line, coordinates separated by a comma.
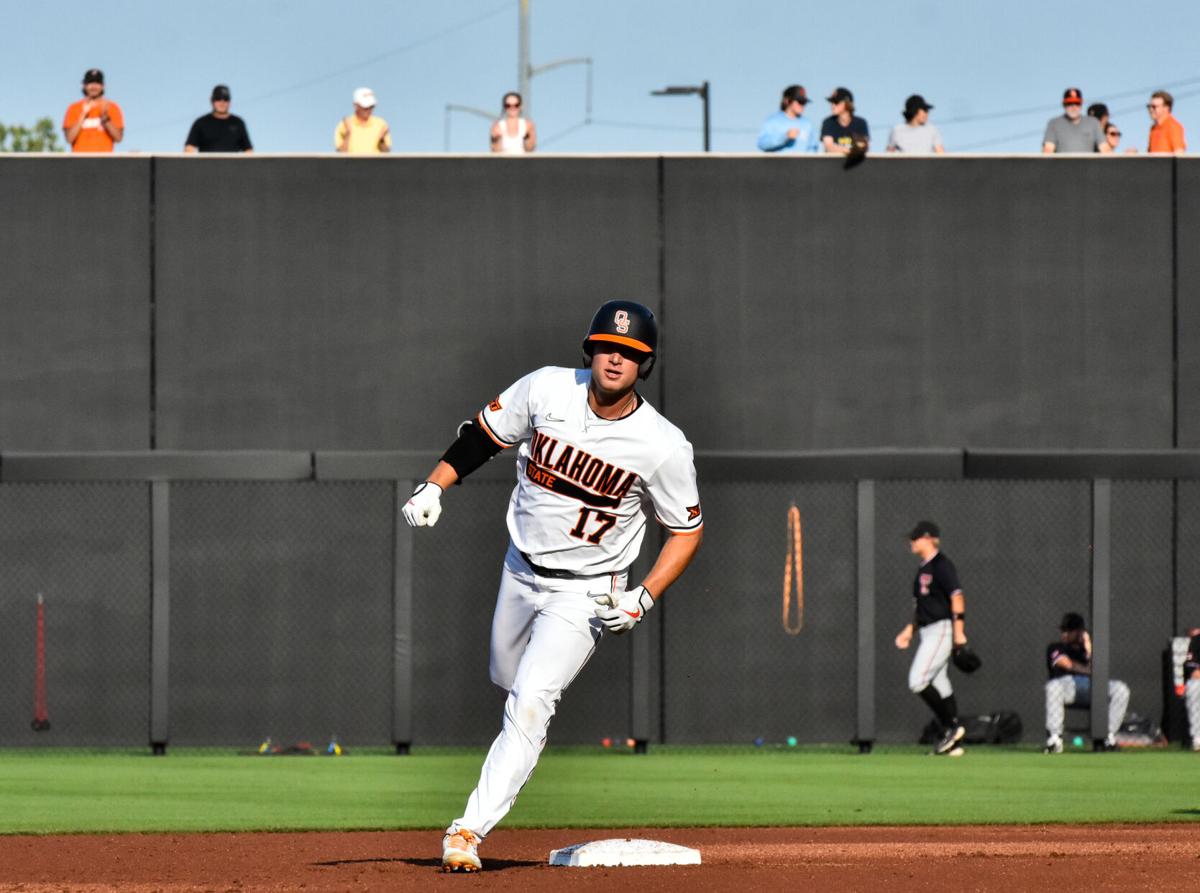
[(78, 791)]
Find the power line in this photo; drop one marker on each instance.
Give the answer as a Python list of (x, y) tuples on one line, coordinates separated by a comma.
[(1030, 134), (1048, 108), (331, 75)]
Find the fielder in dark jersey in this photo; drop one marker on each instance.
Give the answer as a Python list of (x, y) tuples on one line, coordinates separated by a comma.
[(939, 611)]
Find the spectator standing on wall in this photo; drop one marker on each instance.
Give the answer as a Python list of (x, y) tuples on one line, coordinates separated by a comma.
[(94, 123), (219, 131), (1112, 136), (1099, 111), (1071, 131), (788, 130), (364, 132), (512, 134), (916, 136), (841, 129), (1166, 133)]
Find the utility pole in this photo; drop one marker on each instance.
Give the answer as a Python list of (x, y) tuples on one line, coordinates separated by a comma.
[(524, 68)]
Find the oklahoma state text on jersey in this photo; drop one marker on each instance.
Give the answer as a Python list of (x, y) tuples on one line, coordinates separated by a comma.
[(585, 485)]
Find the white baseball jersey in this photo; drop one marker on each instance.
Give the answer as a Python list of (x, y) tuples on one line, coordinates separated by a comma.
[(585, 484)]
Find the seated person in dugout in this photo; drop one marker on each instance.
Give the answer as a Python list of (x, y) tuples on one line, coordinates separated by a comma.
[(1069, 664), (1191, 688)]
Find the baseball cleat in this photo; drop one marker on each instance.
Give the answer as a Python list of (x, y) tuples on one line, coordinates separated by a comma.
[(1054, 744), (1196, 745), (956, 752), (948, 741), (460, 851)]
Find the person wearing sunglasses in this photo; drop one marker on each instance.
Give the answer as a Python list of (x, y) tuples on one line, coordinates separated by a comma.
[(1112, 135), (512, 134), (1072, 131), (788, 130), (1166, 133)]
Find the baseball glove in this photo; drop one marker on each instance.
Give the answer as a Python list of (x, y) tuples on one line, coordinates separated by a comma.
[(966, 660)]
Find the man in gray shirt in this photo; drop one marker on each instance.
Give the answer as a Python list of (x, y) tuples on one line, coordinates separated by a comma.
[(1072, 131), (916, 136)]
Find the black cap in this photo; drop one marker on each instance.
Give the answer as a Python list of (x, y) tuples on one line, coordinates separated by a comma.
[(1072, 96), (220, 91), (1097, 110), (840, 94), (914, 104), (93, 76), (1071, 622), (924, 528), (795, 93)]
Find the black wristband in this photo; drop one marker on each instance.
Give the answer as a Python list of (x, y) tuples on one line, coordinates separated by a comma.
[(961, 615), (470, 450)]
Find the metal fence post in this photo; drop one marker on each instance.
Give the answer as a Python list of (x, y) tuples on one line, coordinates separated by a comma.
[(865, 726), (402, 642), (160, 614), (1101, 598), (645, 660)]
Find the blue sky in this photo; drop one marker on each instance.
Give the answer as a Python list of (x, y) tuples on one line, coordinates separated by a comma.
[(994, 71)]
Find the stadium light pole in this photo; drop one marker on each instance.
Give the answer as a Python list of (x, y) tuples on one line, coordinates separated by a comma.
[(702, 92)]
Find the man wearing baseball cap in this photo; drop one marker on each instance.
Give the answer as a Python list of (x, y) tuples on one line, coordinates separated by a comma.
[(916, 136), (843, 132), (1072, 131), (363, 133), (219, 131), (93, 124), (788, 130)]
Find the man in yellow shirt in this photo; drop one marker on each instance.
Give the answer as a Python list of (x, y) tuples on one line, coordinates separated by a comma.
[(363, 133)]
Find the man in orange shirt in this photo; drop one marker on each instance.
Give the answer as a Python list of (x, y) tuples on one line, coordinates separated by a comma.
[(1166, 133), (93, 124)]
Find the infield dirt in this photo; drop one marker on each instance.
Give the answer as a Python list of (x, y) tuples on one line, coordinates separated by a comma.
[(984, 858)]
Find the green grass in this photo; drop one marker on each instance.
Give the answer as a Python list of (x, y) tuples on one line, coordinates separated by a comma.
[(80, 791)]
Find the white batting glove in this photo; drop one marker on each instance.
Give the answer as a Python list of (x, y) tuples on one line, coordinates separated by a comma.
[(424, 507), (622, 611)]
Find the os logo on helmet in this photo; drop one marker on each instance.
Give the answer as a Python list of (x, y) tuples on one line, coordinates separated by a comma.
[(622, 321)]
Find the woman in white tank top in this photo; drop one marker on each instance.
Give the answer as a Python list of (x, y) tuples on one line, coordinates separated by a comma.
[(512, 134)]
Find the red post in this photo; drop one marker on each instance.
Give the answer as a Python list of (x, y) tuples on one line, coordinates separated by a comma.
[(41, 716)]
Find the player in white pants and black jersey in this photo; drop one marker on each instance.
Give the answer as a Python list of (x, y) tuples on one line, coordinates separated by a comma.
[(1069, 665), (594, 462), (939, 616), (1191, 688)]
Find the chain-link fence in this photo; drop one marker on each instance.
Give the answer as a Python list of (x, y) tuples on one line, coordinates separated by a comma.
[(284, 620), (85, 549)]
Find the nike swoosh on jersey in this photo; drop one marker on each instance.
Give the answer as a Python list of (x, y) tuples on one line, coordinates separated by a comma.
[(553, 418)]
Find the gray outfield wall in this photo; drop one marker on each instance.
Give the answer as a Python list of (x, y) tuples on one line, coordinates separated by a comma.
[(371, 304)]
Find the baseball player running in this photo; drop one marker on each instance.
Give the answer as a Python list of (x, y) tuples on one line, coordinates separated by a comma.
[(1191, 691), (1069, 665), (939, 616), (594, 459)]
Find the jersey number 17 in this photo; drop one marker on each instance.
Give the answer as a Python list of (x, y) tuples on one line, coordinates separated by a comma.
[(604, 520)]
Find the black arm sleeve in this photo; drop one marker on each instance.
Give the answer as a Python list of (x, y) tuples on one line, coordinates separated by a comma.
[(470, 450)]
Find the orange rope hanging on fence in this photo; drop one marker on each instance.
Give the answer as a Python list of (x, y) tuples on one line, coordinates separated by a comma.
[(793, 567)]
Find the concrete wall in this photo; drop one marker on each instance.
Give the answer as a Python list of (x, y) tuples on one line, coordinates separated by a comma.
[(371, 304)]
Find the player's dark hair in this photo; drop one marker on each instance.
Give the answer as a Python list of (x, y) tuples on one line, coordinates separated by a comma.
[(1072, 622)]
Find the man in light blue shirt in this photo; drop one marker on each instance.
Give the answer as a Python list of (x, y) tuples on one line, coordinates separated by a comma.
[(788, 130)]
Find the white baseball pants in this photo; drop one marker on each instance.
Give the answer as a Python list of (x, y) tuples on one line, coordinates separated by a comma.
[(1191, 694), (543, 632), (929, 666), (1063, 691)]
